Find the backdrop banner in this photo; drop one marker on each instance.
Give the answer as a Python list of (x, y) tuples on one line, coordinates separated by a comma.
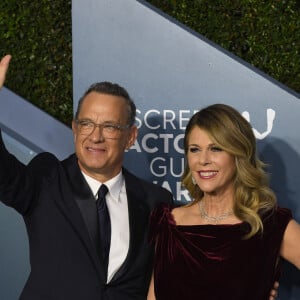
[(171, 72)]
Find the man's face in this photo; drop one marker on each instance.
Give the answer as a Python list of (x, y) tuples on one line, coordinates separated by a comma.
[(99, 155)]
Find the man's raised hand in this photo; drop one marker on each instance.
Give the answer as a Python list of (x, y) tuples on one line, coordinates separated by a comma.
[(4, 63)]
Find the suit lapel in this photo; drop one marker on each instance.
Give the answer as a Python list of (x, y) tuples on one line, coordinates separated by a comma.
[(78, 206), (76, 195)]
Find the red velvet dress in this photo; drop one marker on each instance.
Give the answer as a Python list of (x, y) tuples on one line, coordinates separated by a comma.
[(213, 262)]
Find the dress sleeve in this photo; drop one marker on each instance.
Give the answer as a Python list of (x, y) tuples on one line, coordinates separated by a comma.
[(284, 216), (275, 221), (158, 220)]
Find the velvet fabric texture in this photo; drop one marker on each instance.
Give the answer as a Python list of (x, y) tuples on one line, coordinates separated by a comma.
[(214, 262)]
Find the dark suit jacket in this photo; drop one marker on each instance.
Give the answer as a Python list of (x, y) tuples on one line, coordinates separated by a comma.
[(60, 216)]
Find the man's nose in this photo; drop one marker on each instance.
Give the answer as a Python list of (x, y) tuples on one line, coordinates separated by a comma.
[(97, 133)]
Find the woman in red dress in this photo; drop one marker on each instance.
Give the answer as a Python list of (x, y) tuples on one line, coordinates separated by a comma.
[(226, 243)]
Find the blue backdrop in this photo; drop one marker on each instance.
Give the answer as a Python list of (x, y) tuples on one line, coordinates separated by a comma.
[(171, 72)]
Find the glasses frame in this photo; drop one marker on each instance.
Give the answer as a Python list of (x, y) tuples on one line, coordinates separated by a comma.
[(109, 130)]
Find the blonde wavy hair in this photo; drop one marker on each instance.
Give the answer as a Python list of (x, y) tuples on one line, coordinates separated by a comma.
[(230, 131)]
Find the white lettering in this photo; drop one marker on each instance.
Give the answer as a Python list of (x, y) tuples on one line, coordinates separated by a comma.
[(166, 137), (270, 120), (159, 166), (146, 118), (184, 120), (181, 193), (177, 139), (157, 169), (170, 119), (137, 120), (145, 139)]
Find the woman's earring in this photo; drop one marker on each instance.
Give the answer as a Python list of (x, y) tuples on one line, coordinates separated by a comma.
[(194, 181)]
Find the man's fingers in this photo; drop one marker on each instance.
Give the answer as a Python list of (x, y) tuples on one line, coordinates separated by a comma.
[(4, 63)]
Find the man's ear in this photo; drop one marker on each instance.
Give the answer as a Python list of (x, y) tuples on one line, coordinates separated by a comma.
[(132, 136), (74, 129)]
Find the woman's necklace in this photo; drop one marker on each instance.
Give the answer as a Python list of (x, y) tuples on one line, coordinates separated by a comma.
[(210, 219)]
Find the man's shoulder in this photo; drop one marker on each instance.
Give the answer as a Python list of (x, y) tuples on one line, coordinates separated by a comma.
[(43, 159), (46, 162)]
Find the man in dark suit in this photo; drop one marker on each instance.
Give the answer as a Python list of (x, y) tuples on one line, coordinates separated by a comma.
[(59, 203)]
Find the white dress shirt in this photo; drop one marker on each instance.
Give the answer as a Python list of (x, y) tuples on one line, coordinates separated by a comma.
[(116, 200)]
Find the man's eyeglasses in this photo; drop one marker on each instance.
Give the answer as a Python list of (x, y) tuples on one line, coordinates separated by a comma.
[(109, 130)]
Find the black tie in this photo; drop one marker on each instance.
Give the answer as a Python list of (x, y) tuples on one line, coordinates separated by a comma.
[(104, 224)]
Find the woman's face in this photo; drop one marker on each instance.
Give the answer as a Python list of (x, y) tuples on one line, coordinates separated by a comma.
[(212, 168)]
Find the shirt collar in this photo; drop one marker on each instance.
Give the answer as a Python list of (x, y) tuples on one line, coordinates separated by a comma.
[(114, 185)]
